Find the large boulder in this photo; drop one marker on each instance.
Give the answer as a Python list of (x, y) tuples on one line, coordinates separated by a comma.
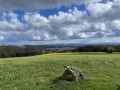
[(72, 74)]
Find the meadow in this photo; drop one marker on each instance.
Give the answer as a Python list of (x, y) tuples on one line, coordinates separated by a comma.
[(101, 72)]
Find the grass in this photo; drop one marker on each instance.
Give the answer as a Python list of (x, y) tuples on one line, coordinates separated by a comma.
[(101, 72)]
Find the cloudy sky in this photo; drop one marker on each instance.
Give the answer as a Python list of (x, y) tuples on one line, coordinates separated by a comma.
[(59, 22)]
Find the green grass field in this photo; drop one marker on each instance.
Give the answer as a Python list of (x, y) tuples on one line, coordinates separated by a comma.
[(101, 72)]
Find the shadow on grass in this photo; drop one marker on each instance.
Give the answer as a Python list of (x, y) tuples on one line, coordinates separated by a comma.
[(118, 87), (59, 81), (62, 84)]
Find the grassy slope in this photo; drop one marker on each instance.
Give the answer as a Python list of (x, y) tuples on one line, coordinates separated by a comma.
[(101, 71)]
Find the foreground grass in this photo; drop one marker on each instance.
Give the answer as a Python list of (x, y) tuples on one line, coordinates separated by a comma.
[(101, 72)]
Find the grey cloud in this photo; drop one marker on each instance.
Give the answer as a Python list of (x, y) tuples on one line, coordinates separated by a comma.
[(38, 4), (98, 34), (115, 33)]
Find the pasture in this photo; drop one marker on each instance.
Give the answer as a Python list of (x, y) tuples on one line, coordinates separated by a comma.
[(101, 72)]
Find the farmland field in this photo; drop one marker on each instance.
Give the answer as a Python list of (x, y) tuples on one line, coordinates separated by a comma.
[(101, 72)]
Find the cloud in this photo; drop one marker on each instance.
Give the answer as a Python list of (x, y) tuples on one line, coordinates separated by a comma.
[(108, 14), (105, 11), (36, 21), (38, 4), (1, 38), (98, 9), (36, 38), (10, 22), (73, 24)]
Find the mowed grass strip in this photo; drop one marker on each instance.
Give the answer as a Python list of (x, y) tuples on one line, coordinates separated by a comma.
[(101, 72)]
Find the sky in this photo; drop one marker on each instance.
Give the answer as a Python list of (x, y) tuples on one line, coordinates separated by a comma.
[(43, 22)]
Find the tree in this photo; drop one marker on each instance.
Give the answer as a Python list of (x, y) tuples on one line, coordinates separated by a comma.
[(111, 50), (19, 51)]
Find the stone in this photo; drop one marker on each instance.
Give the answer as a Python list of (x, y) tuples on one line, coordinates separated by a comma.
[(72, 74)]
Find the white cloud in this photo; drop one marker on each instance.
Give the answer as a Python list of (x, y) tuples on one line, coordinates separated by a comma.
[(12, 15), (82, 35), (116, 24), (10, 22), (98, 9), (100, 26), (36, 21), (36, 38), (1, 38), (105, 11)]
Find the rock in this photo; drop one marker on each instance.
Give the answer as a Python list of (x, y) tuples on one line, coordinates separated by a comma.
[(72, 74)]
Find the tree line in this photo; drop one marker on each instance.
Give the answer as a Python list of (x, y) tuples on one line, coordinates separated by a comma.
[(98, 48), (19, 51)]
